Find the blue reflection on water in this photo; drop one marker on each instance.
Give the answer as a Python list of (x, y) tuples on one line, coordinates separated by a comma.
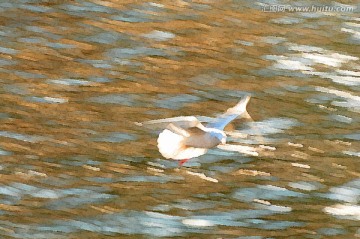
[(271, 126), (7, 62), (267, 192), (151, 179), (9, 51), (5, 153), (46, 99), (349, 192), (122, 99), (107, 38), (83, 7), (331, 231), (126, 53), (17, 89), (175, 102), (155, 224), (115, 137), (70, 82), (22, 137)]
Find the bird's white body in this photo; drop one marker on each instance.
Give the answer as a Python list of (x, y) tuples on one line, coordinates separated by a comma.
[(171, 145), (186, 137)]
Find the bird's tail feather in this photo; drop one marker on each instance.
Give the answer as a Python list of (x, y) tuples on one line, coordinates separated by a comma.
[(238, 110), (240, 107)]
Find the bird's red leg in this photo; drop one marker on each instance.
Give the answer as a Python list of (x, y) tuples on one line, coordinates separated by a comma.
[(181, 162)]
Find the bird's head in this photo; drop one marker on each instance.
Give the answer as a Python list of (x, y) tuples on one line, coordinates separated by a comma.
[(219, 134)]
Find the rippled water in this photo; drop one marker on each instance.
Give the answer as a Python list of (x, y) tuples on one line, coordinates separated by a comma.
[(76, 75)]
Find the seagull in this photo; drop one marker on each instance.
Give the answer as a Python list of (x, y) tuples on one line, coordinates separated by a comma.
[(185, 137)]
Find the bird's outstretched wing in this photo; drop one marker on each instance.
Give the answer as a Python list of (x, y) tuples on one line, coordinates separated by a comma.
[(238, 110), (183, 122)]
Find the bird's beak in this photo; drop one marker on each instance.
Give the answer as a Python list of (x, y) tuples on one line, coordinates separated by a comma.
[(223, 141)]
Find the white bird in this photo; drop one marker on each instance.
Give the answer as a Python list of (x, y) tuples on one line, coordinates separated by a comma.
[(186, 137)]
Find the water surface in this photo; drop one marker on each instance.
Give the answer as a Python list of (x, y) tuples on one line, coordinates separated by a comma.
[(76, 75)]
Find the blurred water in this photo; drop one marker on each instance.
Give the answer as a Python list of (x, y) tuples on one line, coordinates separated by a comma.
[(76, 75)]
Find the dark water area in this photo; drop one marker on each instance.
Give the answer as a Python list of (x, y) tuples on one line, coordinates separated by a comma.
[(76, 75)]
